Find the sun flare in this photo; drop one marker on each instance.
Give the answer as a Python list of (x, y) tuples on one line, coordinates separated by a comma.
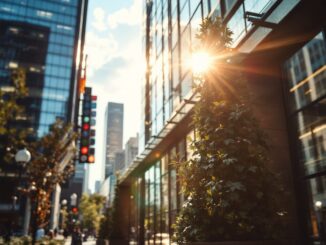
[(201, 62)]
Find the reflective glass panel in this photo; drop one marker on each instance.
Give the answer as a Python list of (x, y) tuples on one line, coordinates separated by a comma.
[(306, 86)]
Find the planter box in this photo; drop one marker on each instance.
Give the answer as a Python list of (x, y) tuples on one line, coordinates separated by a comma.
[(267, 242)]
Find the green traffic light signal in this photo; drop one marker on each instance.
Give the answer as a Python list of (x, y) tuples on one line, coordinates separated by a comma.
[(86, 119)]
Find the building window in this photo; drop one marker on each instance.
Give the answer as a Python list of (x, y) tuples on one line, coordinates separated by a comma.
[(305, 73)]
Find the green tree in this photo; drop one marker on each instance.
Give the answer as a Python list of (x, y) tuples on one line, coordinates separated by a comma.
[(52, 163), (90, 208), (12, 111), (105, 223), (230, 193), (109, 228)]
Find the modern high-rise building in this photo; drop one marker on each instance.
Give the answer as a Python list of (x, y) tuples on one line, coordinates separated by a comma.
[(119, 162), (19, 42), (114, 134), (97, 186), (280, 48), (131, 150), (43, 38)]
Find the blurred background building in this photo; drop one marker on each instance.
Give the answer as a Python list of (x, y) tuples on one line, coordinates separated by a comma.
[(114, 135)]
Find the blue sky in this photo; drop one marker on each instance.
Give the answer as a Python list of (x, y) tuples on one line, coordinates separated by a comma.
[(115, 66)]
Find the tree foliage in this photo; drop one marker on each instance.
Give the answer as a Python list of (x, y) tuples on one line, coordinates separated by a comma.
[(90, 208), (230, 192), (105, 222), (52, 154), (51, 164), (11, 111), (109, 228)]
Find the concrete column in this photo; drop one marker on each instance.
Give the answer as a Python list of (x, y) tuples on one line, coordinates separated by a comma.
[(55, 211)]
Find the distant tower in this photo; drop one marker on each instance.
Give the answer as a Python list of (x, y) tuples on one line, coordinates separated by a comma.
[(131, 150), (119, 161), (114, 135)]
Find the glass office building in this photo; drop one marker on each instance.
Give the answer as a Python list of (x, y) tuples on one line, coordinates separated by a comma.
[(55, 94), (43, 38), (280, 47)]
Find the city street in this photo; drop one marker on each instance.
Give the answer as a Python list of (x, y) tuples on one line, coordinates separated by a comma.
[(90, 241), (163, 122)]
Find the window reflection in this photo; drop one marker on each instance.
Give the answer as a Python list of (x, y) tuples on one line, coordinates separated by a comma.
[(237, 25), (316, 187), (184, 16), (228, 5), (162, 197), (305, 73), (311, 123), (60, 17)]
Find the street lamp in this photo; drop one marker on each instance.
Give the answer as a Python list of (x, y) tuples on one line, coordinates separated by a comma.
[(22, 157), (73, 199), (64, 202), (320, 222), (33, 192), (14, 201), (63, 213)]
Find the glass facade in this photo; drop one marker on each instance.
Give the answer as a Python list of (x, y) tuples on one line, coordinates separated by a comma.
[(306, 87), (55, 75), (172, 26), (236, 13), (161, 196), (114, 136)]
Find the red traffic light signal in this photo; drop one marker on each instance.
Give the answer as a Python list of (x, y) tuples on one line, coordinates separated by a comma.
[(84, 150), (85, 126), (74, 210)]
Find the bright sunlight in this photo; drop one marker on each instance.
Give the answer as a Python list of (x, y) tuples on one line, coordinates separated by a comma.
[(201, 62)]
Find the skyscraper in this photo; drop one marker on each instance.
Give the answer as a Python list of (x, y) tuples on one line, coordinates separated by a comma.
[(131, 150), (114, 134), (19, 42), (43, 38), (52, 73)]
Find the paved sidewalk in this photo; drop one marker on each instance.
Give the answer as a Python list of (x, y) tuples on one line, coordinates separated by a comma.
[(89, 241)]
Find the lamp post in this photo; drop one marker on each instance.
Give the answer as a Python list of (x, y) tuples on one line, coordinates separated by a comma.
[(63, 213), (22, 157), (14, 201), (73, 206), (33, 193), (320, 222)]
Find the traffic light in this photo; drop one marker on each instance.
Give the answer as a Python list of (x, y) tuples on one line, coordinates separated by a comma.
[(91, 155), (74, 210), (87, 133), (85, 126)]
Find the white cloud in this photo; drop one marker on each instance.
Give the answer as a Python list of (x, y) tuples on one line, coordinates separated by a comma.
[(99, 19), (115, 68), (128, 16), (99, 50)]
